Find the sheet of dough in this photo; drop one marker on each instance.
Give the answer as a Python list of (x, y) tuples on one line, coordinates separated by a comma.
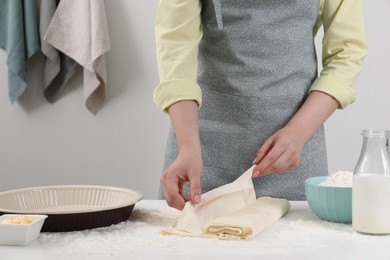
[(249, 221), (214, 204)]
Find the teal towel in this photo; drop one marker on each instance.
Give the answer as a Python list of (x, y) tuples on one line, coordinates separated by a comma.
[(20, 39)]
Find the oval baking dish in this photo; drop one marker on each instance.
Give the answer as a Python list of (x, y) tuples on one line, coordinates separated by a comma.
[(72, 207)]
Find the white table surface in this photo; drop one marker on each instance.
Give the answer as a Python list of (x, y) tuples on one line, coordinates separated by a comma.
[(298, 235)]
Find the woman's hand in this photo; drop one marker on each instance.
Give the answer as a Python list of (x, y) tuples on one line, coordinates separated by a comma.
[(185, 169), (280, 153)]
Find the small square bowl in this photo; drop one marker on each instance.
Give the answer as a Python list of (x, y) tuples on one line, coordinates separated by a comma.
[(329, 203), (20, 234)]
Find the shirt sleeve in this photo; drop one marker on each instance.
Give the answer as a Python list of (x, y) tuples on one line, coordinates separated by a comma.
[(178, 31), (344, 47)]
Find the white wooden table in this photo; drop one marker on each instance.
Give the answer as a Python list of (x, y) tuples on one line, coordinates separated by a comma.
[(298, 235)]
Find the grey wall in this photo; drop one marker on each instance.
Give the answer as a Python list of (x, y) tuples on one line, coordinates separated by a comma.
[(372, 106), (63, 143), (123, 145)]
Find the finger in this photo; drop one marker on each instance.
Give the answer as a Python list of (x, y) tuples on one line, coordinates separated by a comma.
[(172, 192), (177, 203), (195, 188), (264, 149), (268, 160), (288, 160), (185, 196), (282, 164)]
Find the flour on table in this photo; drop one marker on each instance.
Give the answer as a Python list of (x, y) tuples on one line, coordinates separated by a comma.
[(140, 231), (298, 231), (339, 179)]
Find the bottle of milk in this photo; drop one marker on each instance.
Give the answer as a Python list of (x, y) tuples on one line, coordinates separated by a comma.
[(371, 186)]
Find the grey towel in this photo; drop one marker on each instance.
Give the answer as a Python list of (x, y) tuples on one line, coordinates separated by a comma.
[(79, 29), (59, 68), (19, 38)]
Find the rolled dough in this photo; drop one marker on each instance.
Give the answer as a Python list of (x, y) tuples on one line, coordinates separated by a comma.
[(229, 212)]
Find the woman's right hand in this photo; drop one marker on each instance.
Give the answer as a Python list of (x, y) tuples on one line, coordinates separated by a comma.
[(186, 169)]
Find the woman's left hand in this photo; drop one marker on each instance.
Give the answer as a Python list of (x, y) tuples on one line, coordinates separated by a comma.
[(280, 153)]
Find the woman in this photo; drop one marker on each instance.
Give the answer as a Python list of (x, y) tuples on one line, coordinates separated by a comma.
[(239, 82)]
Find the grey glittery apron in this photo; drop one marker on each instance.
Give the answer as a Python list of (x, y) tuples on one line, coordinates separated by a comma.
[(257, 62)]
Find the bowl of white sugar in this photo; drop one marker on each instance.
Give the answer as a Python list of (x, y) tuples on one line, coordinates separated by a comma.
[(330, 197)]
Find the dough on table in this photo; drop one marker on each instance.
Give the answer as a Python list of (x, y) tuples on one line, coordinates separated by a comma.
[(229, 212), (249, 221)]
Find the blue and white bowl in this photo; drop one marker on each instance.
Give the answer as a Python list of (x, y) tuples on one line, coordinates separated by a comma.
[(329, 203)]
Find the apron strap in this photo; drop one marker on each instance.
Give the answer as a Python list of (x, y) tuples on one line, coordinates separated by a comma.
[(218, 13)]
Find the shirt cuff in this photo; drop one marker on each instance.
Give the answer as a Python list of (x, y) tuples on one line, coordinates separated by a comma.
[(172, 91), (340, 91)]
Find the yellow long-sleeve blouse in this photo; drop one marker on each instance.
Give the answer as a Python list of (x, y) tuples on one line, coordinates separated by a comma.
[(178, 30)]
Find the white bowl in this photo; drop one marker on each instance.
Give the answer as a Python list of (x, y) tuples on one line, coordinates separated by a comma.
[(20, 234)]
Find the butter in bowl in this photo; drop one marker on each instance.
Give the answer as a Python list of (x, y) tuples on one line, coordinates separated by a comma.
[(19, 229)]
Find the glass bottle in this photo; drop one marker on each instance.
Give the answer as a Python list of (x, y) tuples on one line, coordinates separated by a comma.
[(371, 186)]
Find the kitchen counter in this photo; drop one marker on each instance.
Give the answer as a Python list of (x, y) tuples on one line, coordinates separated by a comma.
[(298, 235)]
